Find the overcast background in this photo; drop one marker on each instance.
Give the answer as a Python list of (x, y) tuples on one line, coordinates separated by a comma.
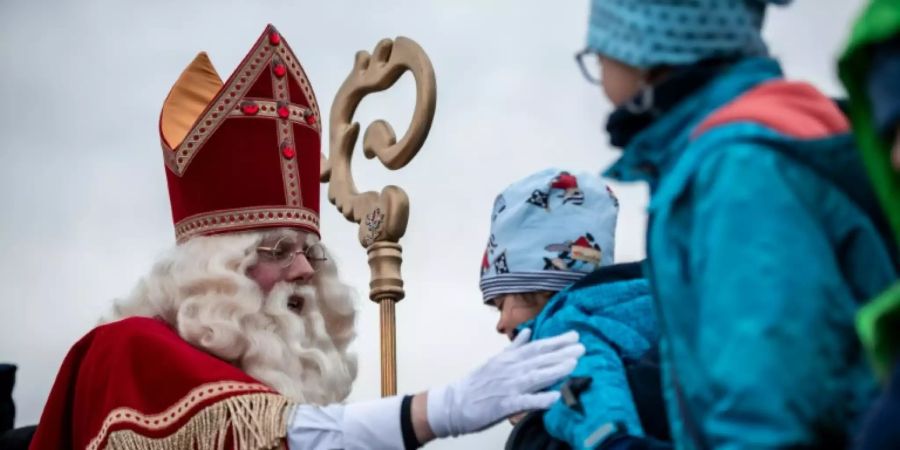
[(82, 189)]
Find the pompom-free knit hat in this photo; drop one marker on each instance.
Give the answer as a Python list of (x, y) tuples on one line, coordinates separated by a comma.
[(651, 33), (547, 231)]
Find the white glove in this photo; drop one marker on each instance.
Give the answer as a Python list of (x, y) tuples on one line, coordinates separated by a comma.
[(505, 385)]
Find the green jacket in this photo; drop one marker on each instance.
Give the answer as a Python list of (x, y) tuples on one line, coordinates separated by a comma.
[(879, 321)]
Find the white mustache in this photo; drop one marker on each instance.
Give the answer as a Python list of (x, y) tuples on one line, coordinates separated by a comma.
[(283, 291)]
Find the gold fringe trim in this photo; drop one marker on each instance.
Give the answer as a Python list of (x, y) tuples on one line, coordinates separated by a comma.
[(255, 421)]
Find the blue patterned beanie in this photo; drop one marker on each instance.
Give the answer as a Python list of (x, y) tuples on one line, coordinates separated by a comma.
[(651, 33), (547, 231)]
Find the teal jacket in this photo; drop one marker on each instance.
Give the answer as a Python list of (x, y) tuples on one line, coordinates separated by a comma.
[(612, 310), (758, 262)]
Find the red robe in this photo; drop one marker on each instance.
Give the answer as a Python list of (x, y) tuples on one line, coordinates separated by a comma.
[(136, 384)]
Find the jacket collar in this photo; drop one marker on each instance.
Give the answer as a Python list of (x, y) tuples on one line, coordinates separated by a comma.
[(610, 274), (653, 151)]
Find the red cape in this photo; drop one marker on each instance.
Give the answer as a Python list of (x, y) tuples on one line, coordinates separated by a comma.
[(135, 383)]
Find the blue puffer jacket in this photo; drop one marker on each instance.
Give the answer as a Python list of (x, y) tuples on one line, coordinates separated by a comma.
[(613, 312), (758, 262)]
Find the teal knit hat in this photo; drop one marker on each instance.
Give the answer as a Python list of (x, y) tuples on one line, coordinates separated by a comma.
[(651, 33)]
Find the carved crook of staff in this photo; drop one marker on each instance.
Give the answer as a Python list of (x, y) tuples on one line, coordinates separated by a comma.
[(382, 217)]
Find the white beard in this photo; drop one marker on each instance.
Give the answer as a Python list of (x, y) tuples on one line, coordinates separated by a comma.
[(202, 291), (295, 353)]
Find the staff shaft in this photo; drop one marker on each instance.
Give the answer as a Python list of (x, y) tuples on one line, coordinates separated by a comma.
[(388, 348)]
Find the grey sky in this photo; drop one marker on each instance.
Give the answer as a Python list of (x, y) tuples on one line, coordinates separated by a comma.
[(82, 187)]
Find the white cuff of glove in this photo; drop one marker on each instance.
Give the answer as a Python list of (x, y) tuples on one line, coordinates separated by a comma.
[(440, 400), (362, 425)]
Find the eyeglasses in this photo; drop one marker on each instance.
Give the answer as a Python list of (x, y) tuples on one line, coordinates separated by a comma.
[(589, 63), (285, 251)]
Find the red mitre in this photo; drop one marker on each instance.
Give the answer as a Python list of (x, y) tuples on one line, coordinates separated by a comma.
[(244, 154)]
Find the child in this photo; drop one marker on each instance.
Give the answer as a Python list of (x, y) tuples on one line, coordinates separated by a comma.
[(549, 266)]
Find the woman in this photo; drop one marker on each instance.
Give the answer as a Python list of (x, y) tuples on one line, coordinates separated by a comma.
[(762, 240)]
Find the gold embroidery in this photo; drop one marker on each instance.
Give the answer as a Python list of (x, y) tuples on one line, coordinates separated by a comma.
[(257, 417), (230, 98), (218, 110), (295, 69), (290, 174), (236, 219), (269, 109)]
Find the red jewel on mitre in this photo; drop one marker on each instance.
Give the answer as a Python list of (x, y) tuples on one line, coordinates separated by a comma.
[(243, 155)]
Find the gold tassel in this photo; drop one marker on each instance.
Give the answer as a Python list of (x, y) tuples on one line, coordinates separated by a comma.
[(256, 422)]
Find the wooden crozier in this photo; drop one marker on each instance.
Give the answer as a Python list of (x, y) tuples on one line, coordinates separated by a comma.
[(382, 217)]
